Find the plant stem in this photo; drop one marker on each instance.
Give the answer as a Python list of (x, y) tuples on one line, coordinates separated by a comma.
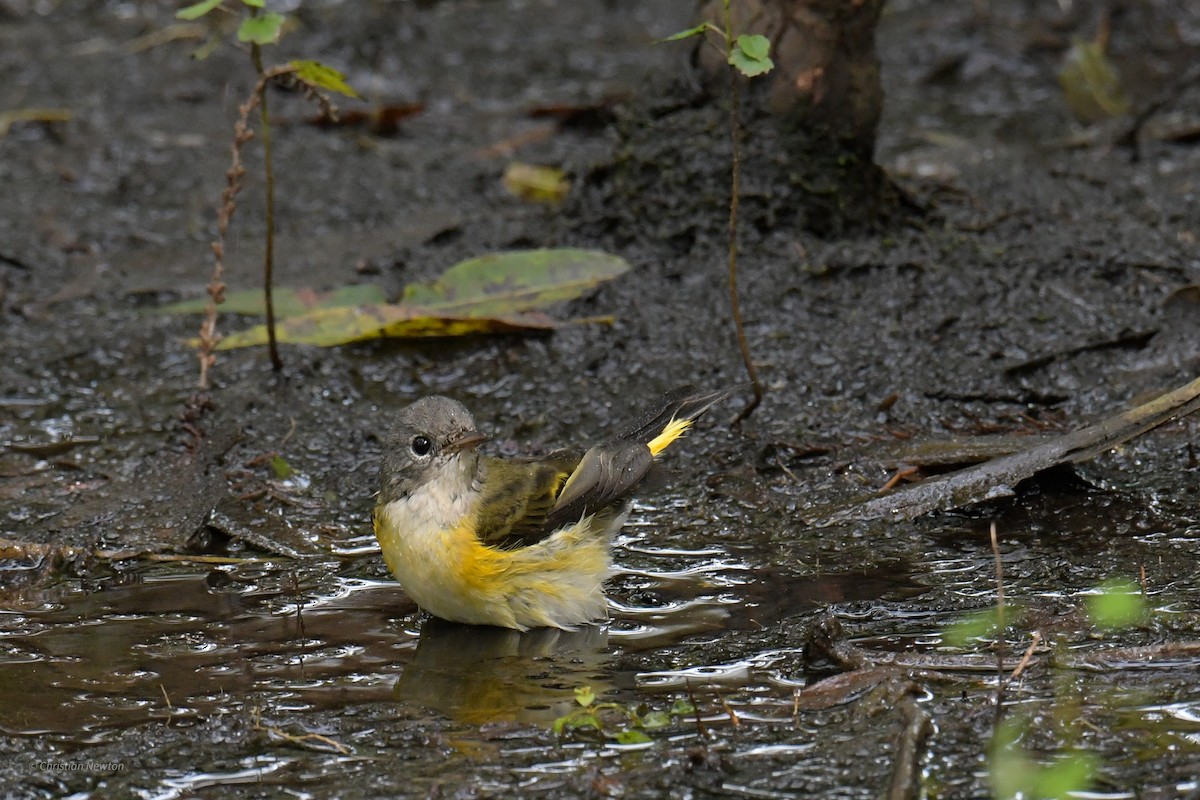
[(269, 252), (734, 193)]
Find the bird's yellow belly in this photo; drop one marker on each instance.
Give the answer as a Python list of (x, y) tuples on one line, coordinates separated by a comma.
[(557, 582)]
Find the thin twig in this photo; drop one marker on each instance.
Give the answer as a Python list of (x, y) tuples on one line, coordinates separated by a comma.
[(735, 130), (999, 577), (1024, 662), (899, 475), (242, 133), (269, 252), (302, 740), (998, 643), (734, 720)]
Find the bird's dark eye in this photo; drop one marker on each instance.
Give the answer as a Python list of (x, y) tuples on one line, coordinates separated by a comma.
[(421, 446)]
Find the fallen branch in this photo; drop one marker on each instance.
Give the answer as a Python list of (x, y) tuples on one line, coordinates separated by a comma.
[(995, 478)]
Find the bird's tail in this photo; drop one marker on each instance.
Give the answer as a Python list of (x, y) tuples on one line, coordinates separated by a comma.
[(673, 415)]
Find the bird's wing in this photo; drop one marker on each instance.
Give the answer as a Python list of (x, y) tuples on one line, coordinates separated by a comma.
[(605, 474), (517, 498), (526, 501)]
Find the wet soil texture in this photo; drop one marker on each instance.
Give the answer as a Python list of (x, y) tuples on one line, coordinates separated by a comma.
[(217, 618)]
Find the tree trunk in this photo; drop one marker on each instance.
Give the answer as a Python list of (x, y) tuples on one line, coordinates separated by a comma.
[(826, 76)]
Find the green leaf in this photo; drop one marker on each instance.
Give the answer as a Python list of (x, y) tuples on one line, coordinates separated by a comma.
[(288, 302), (750, 55), (585, 696), (263, 29), (515, 281), (581, 719), (318, 75), (682, 707), (499, 293), (1011, 771), (1117, 604), (282, 469), (656, 719), (198, 10), (756, 47), (329, 327), (699, 30), (253, 3), (1069, 775), (979, 625), (632, 736)]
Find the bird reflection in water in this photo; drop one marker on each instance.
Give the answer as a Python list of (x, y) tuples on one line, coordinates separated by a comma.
[(478, 673)]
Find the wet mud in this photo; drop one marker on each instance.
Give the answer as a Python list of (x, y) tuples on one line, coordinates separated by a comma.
[(177, 621)]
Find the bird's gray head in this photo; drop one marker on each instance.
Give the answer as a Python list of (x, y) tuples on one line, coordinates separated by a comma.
[(431, 435)]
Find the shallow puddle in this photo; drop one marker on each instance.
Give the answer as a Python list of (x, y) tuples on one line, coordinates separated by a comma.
[(175, 642)]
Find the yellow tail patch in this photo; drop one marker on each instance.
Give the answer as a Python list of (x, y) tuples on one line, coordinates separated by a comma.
[(673, 431)]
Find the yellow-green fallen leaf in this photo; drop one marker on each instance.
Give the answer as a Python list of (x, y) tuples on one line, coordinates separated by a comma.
[(535, 183), (281, 468), (519, 280), (1090, 83), (314, 73), (329, 327), (498, 293), (288, 302)]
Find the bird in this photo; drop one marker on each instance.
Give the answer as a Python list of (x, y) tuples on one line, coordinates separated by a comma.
[(515, 543)]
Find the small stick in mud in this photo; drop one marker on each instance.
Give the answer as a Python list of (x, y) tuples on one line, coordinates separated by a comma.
[(1024, 662)]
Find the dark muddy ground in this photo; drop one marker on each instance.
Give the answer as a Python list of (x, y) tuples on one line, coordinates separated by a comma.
[(1040, 290)]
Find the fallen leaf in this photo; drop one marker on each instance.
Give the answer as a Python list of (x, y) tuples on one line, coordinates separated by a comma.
[(496, 293), (1090, 83), (518, 280), (288, 302), (535, 183), (334, 326)]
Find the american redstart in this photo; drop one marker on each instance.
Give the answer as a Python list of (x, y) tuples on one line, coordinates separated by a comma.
[(515, 542)]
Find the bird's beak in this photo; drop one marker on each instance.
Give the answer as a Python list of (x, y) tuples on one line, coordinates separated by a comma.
[(468, 440)]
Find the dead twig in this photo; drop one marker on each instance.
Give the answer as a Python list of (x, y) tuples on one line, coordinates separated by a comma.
[(234, 178), (302, 740), (1024, 662)]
